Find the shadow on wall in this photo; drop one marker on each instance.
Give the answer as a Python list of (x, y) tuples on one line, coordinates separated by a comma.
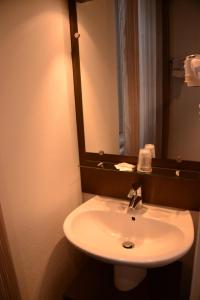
[(38, 153), (188, 261), (60, 272)]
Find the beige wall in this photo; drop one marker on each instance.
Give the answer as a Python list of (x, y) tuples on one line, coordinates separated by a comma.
[(184, 118), (39, 175), (188, 273), (98, 57), (195, 288)]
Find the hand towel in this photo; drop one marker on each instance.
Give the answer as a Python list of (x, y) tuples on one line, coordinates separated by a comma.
[(192, 70)]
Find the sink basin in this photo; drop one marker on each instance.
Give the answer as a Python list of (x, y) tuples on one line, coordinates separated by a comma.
[(151, 236)]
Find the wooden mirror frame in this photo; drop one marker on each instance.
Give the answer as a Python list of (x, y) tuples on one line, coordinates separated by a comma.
[(87, 158)]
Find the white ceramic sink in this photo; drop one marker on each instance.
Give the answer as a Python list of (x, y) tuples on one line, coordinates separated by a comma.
[(159, 235)]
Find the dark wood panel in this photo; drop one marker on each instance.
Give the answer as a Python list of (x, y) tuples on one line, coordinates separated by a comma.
[(162, 190), (76, 74), (106, 182), (9, 289), (174, 192)]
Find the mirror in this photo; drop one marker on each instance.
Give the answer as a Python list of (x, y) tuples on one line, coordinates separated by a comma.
[(133, 88)]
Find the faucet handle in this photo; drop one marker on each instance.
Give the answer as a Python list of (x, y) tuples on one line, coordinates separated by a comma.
[(139, 192), (136, 185), (139, 203), (136, 190), (131, 193)]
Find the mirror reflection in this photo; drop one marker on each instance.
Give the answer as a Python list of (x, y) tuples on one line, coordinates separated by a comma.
[(125, 103)]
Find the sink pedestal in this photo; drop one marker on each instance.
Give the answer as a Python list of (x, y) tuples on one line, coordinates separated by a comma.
[(127, 277)]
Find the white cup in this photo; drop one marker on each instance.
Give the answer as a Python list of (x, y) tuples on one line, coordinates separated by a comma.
[(144, 161), (151, 147)]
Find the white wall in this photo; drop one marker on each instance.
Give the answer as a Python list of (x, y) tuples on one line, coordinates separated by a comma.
[(99, 75), (39, 175)]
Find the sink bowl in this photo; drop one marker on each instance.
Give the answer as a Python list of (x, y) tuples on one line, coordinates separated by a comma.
[(151, 236)]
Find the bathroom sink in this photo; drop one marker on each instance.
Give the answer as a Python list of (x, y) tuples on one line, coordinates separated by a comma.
[(154, 236)]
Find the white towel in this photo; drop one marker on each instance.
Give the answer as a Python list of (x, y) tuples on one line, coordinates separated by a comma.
[(192, 70), (125, 167)]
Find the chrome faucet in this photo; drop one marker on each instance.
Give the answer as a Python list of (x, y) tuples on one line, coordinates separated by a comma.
[(135, 196)]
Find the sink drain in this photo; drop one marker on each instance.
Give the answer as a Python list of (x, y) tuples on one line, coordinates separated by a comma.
[(128, 245)]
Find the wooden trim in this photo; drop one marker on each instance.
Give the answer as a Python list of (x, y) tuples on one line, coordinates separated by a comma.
[(85, 156), (156, 171), (76, 75), (9, 289), (161, 163)]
